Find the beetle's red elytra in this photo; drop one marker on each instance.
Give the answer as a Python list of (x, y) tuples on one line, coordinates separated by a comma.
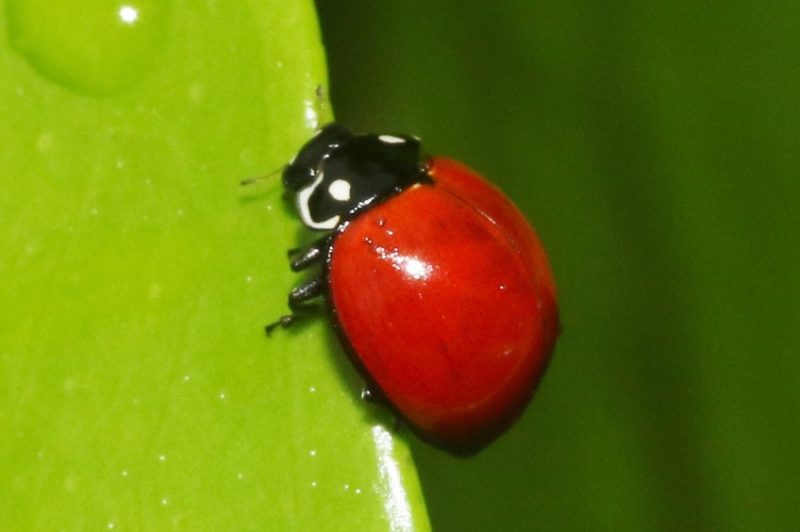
[(438, 287)]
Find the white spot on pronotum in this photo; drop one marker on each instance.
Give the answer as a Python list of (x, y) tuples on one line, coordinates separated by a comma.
[(391, 139), (340, 190)]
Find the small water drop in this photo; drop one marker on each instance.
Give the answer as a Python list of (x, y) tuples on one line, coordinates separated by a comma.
[(44, 143), (197, 92), (97, 47), (128, 14), (71, 483), (311, 114), (154, 292)]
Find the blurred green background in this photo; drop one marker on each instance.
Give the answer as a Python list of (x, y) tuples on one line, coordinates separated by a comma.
[(654, 146)]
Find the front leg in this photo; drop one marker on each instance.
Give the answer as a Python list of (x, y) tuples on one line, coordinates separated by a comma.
[(299, 295), (300, 259)]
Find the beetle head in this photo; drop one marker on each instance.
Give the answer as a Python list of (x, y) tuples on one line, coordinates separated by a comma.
[(338, 174)]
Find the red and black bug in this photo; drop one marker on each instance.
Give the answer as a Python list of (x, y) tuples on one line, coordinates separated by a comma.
[(439, 289)]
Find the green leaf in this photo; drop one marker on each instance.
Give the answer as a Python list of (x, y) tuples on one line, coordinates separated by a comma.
[(137, 388)]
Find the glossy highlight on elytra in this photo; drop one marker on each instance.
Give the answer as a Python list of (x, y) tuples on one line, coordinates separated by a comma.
[(413, 267)]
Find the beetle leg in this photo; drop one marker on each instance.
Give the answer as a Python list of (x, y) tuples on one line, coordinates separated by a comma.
[(300, 259), (297, 297), (284, 321), (372, 395), (305, 292)]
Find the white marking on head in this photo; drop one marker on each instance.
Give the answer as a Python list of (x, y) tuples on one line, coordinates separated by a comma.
[(340, 190), (305, 214), (391, 139)]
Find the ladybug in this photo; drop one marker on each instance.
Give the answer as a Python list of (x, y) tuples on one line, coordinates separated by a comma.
[(437, 286)]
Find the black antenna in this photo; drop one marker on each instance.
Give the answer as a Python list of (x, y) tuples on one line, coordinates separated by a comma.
[(260, 179)]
